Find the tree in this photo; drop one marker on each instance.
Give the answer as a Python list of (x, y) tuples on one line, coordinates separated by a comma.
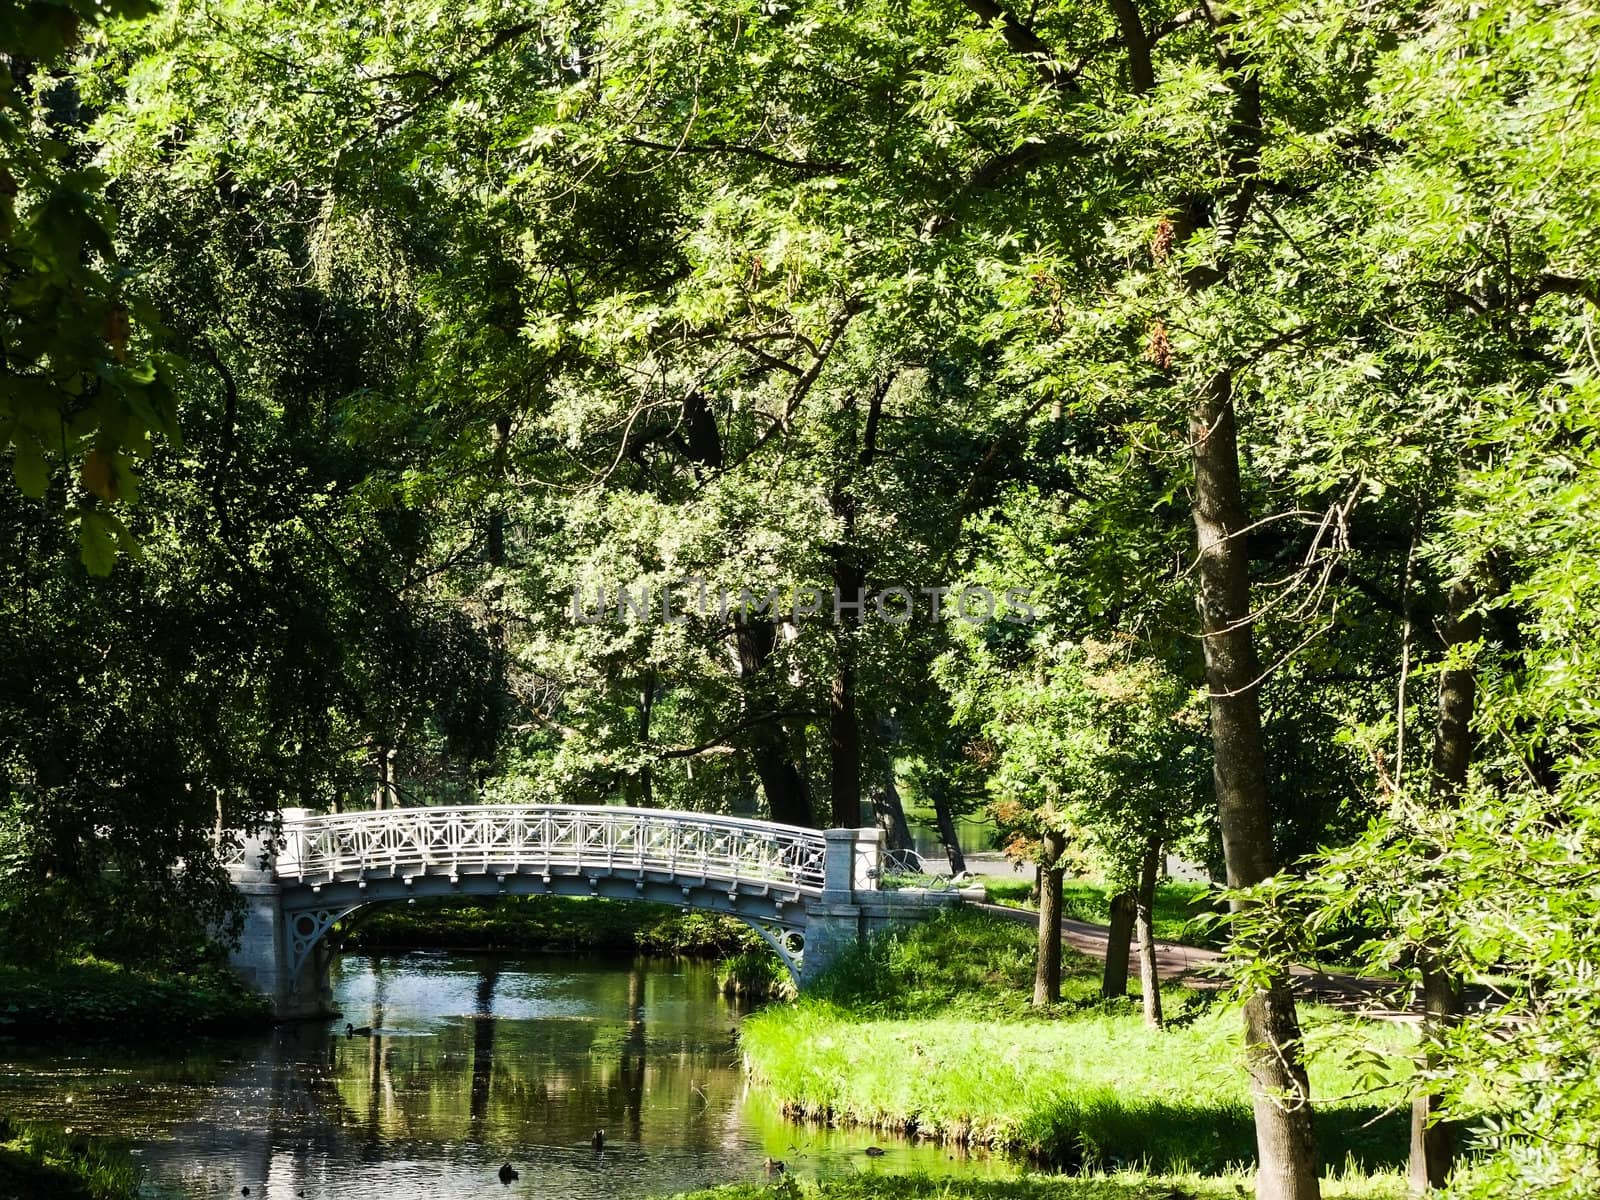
[(84, 383), (1091, 750)]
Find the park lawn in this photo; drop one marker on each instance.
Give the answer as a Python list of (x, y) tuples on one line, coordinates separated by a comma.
[(1124, 1185), (1181, 909), (930, 1034), (870, 1185)]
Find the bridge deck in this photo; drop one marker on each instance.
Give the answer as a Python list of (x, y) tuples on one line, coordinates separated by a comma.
[(547, 839)]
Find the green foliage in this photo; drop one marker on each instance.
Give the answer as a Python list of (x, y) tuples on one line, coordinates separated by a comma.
[(94, 1000), (1088, 738), (82, 383), (44, 1163), (488, 303), (550, 923), (756, 974)]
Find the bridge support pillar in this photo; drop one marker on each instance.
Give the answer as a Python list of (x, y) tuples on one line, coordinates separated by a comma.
[(262, 957), (852, 909)]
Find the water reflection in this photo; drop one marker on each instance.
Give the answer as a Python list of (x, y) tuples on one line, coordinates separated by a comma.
[(473, 1061)]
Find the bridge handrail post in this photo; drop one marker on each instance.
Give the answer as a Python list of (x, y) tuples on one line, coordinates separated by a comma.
[(258, 856), (868, 862), (839, 861), (292, 856)]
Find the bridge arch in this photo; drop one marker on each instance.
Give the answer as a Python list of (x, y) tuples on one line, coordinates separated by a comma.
[(801, 889)]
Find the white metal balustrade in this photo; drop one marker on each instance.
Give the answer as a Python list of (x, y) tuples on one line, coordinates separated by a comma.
[(483, 838)]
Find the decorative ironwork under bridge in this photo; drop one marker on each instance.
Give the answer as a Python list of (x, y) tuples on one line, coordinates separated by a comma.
[(808, 892)]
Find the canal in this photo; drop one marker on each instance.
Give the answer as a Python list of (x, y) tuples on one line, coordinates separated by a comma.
[(474, 1061)]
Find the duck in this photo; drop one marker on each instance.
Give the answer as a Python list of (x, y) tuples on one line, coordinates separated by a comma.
[(876, 1151), (774, 1166), (351, 1031), (598, 1141), (507, 1173)]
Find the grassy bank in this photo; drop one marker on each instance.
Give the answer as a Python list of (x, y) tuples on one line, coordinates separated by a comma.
[(930, 1035), (42, 1163), (90, 998), (869, 1185), (535, 924), (1181, 909)]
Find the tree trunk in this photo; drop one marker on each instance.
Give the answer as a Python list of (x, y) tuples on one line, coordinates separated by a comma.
[(384, 792), (1047, 967), (1149, 977), (844, 732), (496, 542), (1434, 1141), (1114, 979), (890, 812), (788, 800), (947, 829), (1281, 1093), (647, 705)]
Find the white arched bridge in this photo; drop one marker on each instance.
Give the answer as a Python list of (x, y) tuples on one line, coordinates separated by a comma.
[(808, 892)]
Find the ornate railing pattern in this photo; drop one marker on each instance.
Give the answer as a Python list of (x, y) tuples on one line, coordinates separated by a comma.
[(481, 838)]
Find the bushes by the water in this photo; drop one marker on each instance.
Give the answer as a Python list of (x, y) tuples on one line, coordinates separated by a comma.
[(549, 923), (44, 1163), (94, 999), (755, 975)]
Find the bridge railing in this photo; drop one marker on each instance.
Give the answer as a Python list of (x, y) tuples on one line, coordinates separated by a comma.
[(479, 838)]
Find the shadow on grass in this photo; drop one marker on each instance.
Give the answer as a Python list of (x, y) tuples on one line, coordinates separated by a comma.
[(1099, 1131), (46, 1163)]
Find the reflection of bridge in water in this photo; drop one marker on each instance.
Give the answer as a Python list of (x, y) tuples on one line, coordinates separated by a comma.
[(807, 892), (485, 1061)]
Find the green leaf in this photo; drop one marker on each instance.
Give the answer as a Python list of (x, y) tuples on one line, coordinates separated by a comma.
[(97, 542), (30, 468)]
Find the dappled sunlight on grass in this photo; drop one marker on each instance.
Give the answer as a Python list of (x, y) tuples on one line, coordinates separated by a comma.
[(869, 1185), (930, 1034)]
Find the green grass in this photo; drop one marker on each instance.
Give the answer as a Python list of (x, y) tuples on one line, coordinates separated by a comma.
[(755, 975), (91, 998), (1180, 908), (44, 1163), (1009, 891), (869, 1185), (550, 923), (930, 1034)]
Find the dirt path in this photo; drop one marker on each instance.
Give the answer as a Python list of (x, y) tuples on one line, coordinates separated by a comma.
[(1196, 967)]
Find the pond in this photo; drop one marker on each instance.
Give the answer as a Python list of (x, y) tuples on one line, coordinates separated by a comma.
[(474, 1061)]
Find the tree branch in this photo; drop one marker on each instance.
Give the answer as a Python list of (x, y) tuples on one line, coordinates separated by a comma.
[(802, 166), (802, 386), (1022, 39), (1000, 169), (1568, 285), (444, 83), (1141, 72), (719, 744)]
